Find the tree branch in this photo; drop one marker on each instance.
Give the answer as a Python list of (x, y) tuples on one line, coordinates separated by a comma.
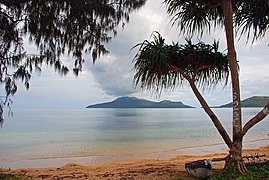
[(201, 68), (256, 119), (12, 2)]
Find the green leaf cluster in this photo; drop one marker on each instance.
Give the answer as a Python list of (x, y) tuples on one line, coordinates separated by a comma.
[(196, 16), (159, 65)]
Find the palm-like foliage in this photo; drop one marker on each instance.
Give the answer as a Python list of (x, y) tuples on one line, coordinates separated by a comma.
[(159, 65), (194, 16), (250, 17)]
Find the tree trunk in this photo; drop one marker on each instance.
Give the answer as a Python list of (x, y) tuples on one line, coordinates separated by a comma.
[(256, 119), (234, 160), (235, 155), (225, 136)]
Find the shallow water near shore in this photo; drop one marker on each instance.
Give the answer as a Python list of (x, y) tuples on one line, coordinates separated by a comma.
[(54, 137)]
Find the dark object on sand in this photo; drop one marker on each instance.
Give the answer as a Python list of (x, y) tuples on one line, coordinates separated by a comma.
[(255, 160), (200, 169), (257, 163), (203, 168)]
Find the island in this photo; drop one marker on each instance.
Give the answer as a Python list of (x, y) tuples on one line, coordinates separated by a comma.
[(133, 102), (255, 101)]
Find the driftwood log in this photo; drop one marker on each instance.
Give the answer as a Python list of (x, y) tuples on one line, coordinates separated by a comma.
[(250, 157)]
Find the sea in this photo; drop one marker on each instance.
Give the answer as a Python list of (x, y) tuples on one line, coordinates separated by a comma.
[(54, 137)]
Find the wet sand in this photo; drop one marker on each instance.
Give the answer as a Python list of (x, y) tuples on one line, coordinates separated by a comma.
[(146, 169)]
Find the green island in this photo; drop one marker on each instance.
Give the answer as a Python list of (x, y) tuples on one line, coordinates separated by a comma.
[(133, 102), (255, 101)]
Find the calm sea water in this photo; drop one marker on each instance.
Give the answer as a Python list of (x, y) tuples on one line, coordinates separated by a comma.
[(48, 137)]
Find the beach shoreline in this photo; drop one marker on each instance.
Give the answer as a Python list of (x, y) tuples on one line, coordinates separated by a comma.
[(171, 168), (103, 159)]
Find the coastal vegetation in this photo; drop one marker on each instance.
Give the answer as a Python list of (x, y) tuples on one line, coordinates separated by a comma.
[(254, 173), (159, 65), (10, 177), (55, 28)]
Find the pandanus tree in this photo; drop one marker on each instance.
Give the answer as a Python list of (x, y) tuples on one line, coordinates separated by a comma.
[(159, 65), (55, 28), (250, 18)]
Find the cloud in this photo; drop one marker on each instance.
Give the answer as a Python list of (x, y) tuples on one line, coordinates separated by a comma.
[(115, 78), (112, 75), (114, 72)]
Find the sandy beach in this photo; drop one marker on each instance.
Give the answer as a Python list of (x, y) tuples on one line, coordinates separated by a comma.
[(172, 168)]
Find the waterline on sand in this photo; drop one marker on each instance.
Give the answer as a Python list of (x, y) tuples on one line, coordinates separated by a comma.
[(46, 138)]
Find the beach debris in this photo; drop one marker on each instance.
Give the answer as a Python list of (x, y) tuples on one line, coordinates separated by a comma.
[(23, 171), (255, 160), (254, 157), (200, 169), (5, 170)]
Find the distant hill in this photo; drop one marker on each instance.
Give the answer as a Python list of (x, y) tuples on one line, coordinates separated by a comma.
[(132, 102), (255, 101)]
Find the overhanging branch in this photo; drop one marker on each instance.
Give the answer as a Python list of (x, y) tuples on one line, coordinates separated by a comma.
[(201, 68)]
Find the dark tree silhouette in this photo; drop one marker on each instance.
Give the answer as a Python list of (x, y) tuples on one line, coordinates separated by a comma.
[(56, 27)]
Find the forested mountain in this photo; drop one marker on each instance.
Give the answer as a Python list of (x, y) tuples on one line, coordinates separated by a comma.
[(133, 102), (255, 101)]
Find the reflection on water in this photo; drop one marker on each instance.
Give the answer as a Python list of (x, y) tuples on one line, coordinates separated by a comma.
[(101, 135)]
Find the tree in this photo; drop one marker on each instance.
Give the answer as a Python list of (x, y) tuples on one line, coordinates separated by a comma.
[(196, 16), (56, 27)]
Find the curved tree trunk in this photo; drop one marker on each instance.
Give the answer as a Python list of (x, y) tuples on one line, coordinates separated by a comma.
[(225, 136), (235, 155)]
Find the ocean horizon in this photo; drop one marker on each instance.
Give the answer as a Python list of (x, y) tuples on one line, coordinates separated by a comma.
[(55, 137)]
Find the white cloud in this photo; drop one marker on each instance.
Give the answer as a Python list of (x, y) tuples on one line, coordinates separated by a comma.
[(111, 75)]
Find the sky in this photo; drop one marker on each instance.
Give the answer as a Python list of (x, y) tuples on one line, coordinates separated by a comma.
[(112, 75)]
